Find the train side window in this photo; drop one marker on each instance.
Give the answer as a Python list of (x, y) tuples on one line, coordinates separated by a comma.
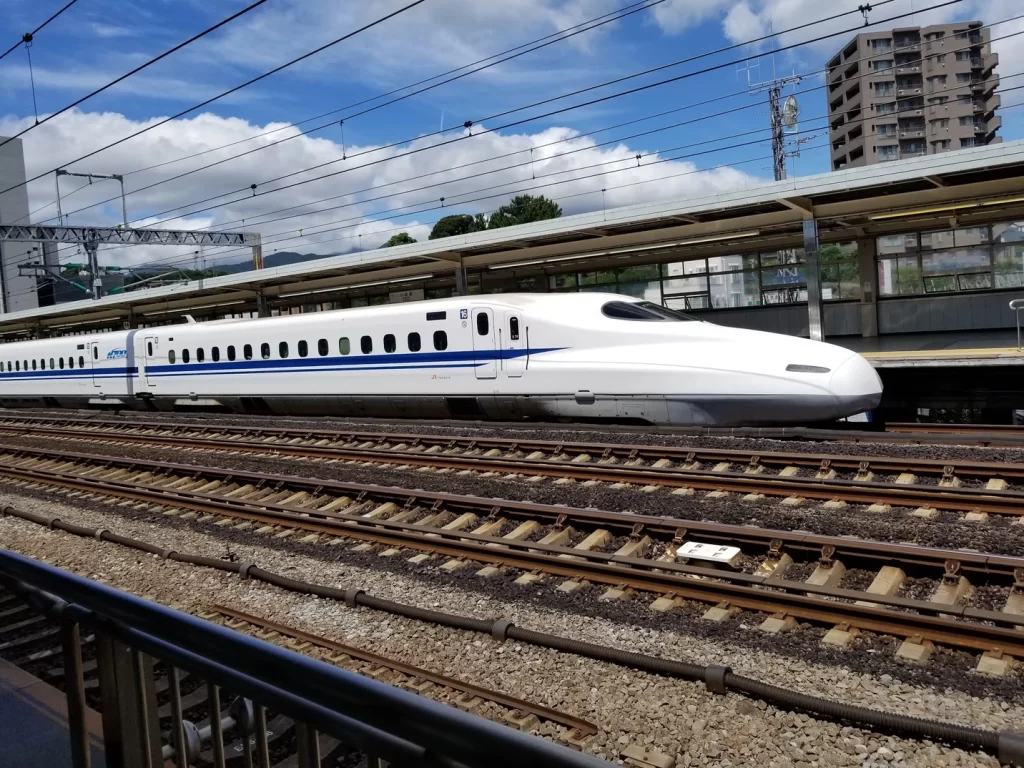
[(170, 356), (265, 351), (53, 364), (184, 355), (149, 348), (247, 351), (513, 328), (483, 324), (231, 352), (322, 347), (33, 364), (81, 362), (366, 344), (215, 354), (390, 345), (61, 361), (303, 348), (414, 342), (200, 355), (282, 349), (440, 340), (17, 365), (344, 346)]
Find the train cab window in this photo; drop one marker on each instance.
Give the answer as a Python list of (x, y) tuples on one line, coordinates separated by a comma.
[(390, 345), (184, 355), (641, 310), (282, 349), (513, 328), (247, 351), (265, 351), (322, 347), (231, 352), (303, 349), (440, 340), (366, 344), (81, 362), (170, 356), (200, 355), (414, 342), (215, 354), (344, 347), (149, 348), (483, 324)]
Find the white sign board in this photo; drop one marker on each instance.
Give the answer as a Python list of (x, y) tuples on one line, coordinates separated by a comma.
[(410, 294), (716, 553)]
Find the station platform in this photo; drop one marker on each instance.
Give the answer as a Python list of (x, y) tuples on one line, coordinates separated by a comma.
[(33, 723), (955, 349)]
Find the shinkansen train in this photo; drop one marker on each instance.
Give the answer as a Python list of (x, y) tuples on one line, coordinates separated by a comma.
[(586, 356)]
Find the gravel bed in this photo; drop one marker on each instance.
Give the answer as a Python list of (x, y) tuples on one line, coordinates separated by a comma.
[(997, 535), (676, 717), (582, 433)]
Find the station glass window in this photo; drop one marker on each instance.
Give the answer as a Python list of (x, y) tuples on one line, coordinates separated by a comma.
[(265, 351), (247, 351), (440, 340), (184, 356), (200, 355), (344, 347), (390, 345), (366, 344), (282, 349), (170, 356), (215, 354), (303, 348), (414, 342), (322, 347), (231, 352)]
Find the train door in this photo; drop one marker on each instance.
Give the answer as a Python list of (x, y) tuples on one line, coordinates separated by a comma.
[(483, 344), (513, 344), (94, 361), (150, 352)]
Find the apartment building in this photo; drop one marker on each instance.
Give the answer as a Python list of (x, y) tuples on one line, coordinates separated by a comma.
[(912, 91)]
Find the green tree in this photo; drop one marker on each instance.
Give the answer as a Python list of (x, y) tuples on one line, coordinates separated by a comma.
[(402, 238), (523, 209), (456, 224)]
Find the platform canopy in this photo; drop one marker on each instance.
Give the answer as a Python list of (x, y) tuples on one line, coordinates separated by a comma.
[(966, 187)]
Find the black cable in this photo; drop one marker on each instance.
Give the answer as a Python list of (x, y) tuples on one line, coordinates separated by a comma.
[(228, 92), (27, 37), (559, 37), (250, 192), (139, 68)]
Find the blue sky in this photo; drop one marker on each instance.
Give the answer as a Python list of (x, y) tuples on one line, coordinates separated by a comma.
[(97, 40)]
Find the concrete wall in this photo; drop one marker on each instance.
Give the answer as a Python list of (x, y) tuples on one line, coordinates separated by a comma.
[(16, 292)]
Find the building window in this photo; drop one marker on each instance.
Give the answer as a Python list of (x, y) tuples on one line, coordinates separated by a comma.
[(885, 89), (970, 142), (888, 153), (963, 55), (881, 46), (942, 144), (886, 108), (940, 58), (942, 122), (963, 77), (936, 100), (887, 129), (880, 65)]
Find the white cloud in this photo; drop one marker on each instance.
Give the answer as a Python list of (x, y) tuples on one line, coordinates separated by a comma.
[(338, 229)]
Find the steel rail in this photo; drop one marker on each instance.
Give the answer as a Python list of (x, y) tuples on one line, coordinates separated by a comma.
[(942, 623), (1001, 502), (623, 522), (931, 467), (583, 727)]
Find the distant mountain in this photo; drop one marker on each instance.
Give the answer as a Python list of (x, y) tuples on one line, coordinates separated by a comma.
[(279, 259)]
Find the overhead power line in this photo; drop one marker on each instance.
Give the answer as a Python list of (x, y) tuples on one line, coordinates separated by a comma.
[(139, 68), (228, 92), (27, 37)]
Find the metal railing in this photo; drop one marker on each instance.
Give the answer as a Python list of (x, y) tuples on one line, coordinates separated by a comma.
[(133, 637), (1017, 305)]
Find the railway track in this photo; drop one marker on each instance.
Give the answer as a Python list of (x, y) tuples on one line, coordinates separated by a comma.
[(926, 486), (33, 642), (788, 576)]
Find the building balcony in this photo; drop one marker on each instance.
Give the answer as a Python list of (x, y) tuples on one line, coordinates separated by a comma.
[(915, 91), (990, 61), (994, 124), (912, 134), (835, 75), (916, 153), (907, 69)]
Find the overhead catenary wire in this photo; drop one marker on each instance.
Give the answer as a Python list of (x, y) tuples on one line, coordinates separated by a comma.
[(137, 69), (228, 92), (251, 191), (27, 37)]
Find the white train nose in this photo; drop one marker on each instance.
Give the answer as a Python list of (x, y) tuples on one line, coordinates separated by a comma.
[(855, 386)]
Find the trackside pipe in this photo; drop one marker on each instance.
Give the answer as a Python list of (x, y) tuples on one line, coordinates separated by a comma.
[(1007, 746)]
